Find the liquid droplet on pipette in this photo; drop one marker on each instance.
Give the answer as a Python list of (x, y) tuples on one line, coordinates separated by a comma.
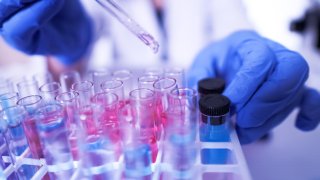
[(149, 41)]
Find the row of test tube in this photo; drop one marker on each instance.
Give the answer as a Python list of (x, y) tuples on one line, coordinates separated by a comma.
[(98, 121)]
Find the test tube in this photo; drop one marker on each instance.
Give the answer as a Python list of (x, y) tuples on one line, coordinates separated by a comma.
[(28, 87), (108, 121), (137, 161), (147, 81), (177, 74), (137, 154), (116, 11), (5, 86), (31, 104), (69, 78), (54, 141), (18, 143), (98, 158), (49, 91), (126, 77), (5, 139), (142, 102), (43, 78), (85, 90), (180, 153), (8, 100), (162, 88), (98, 77), (182, 107), (70, 102), (116, 87)]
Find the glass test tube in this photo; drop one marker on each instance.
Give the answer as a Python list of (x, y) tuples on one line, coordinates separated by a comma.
[(98, 77), (67, 79), (54, 140), (162, 88), (43, 78), (85, 90), (28, 87), (108, 121), (5, 86), (8, 100), (182, 107), (142, 102), (31, 104), (5, 139), (15, 115), (70, 102), (177, 74), (49, 91), (147, 81), (180, 153), (116, 87), (126, 77), (137, 154), (97, 158)]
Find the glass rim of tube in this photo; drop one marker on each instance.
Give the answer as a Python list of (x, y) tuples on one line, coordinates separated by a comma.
[(22, 102), (47, 87), (50, 111), (15, 111), (139, 97), (174, 82), (75, 86), (63, 98), (26, 82), (114, 102), (147, 79), (153, 71), (11, 95), (174, 71), (124, 71), (103, 84), (191, 93)]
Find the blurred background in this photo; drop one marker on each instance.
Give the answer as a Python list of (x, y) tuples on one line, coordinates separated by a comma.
[(288, 153)]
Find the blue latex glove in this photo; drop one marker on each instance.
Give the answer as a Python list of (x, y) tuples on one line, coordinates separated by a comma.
[(265, 82), (46, 27)]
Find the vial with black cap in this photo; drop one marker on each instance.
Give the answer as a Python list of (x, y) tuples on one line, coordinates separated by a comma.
[(214, 118), (210, 86)]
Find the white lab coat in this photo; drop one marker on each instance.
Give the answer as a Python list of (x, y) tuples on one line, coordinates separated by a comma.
[(189, 26)]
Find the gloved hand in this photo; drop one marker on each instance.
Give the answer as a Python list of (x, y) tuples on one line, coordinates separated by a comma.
[(46, 27), (265, 82)]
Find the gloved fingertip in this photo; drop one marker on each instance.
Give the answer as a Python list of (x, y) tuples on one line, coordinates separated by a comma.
[(305, 124), (244, 138), (309, 114)]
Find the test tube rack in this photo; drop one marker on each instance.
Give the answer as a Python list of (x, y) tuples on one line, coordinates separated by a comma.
[(237, 169)]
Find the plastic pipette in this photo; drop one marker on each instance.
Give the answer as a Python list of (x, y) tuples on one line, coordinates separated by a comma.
[(116, 11)]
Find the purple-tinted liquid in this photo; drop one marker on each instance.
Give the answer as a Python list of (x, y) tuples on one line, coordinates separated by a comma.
[(30, 129)]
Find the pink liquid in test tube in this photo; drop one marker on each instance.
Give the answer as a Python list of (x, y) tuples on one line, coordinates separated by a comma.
[(162, 88), (108, 121), (70, 102), (143, 105), (31, 104)]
